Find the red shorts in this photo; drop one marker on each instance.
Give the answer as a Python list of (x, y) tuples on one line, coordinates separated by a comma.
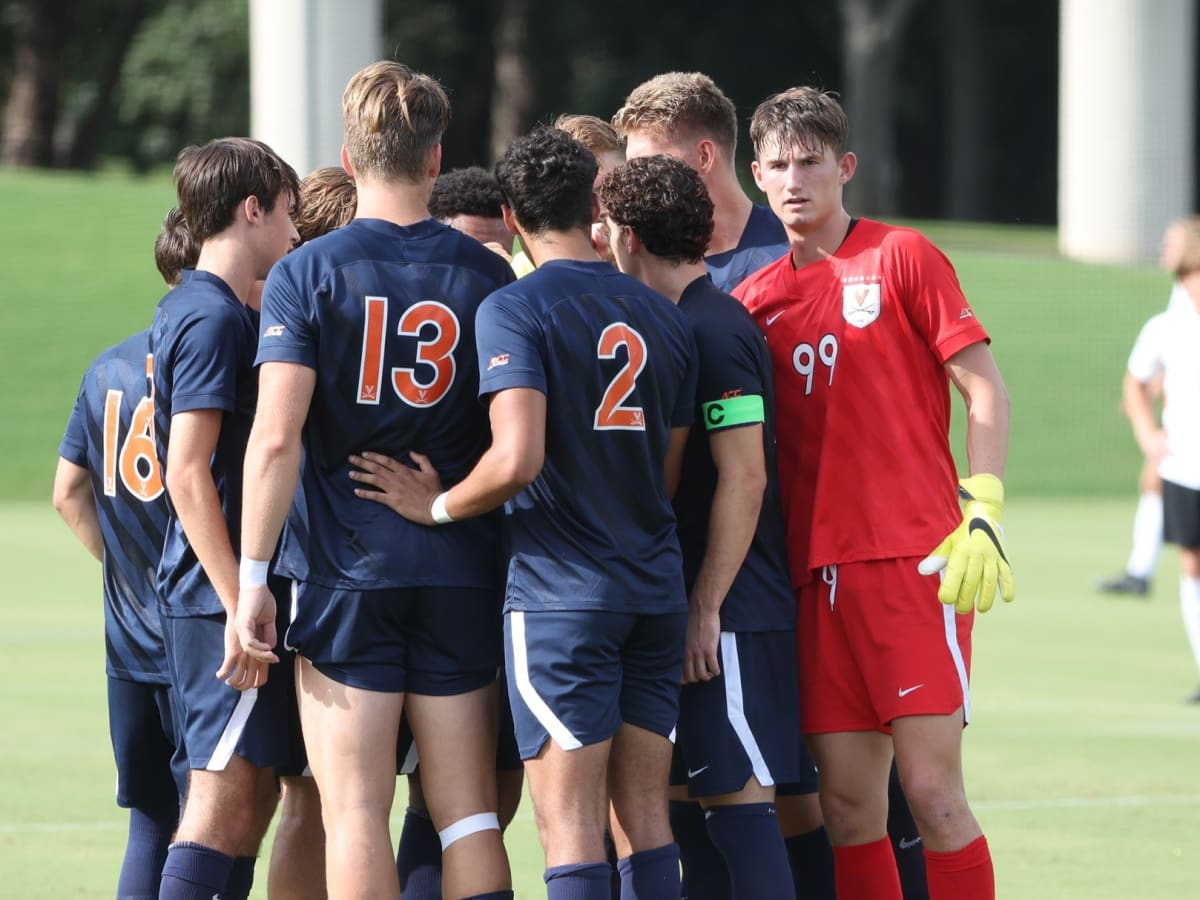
[(875, 643)]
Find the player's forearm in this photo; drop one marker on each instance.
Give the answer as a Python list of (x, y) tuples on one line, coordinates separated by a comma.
[(75, 502), (500, 474), (988, 413), (736, 506), (194, 497), (1139, 407), (272, 469)]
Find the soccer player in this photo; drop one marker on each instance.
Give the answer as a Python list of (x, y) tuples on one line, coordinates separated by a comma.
[(469, 200), (590, 378), (327, 201), (365, 345), (685, 115), (867, 326), (609, 149), (236, 196), (108, 488), (1167, 346), (739, 729)]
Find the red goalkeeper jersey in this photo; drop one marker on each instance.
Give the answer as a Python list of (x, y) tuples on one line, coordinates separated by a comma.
[(859, 343)]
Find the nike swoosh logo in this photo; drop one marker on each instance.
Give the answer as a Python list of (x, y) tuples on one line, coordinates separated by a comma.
[(772, 318), (906, 844), (986, 528), (692, 773), (904, 692)]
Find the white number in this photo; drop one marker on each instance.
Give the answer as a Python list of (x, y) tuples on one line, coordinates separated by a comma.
[(805, 357)]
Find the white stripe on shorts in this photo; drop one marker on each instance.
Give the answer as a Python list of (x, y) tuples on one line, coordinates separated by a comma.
[(233, 731), (735, 710), (956, 654), (411, 759), (541, 711)]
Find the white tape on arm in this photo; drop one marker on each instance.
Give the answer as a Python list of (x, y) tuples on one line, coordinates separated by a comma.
[(465, 827), (253, 572)]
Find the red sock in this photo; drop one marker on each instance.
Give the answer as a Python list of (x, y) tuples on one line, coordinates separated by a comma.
[(965, 874), (866, 872)]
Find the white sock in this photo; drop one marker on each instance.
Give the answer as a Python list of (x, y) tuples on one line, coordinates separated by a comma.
[(1147, 536), (1189, 602)]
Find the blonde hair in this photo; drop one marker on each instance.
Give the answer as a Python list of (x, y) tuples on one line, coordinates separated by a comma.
[(393, 118), (1188, 260), (594, 133), (328, 199), (688, 102)]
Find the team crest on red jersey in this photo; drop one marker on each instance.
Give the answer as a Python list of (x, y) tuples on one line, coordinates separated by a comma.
[(860, 303)]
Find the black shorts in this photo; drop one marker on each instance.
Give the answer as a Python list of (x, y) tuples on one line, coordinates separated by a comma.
[(1181, 515)]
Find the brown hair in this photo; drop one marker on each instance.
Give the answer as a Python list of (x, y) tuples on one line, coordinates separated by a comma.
[(393, 118), (174, 249), (327, 201), (688, 102), (594, 133), (666, 204), (212, 180), (805, 117)]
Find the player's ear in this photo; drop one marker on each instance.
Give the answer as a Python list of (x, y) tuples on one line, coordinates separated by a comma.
[(347, 166), (756, 171), (510, 221), (633, 243), (595, 207), (706, 155), (847, 166), (435, 161), (251, 209)]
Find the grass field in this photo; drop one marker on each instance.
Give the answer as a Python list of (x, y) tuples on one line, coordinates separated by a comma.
[(1082, 760)]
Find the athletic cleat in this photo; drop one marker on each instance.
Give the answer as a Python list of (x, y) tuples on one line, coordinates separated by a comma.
[(1124, 584)]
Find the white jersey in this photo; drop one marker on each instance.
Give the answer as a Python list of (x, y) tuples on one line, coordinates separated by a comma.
[(1170, 344)]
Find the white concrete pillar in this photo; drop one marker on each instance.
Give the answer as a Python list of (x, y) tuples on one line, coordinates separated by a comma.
[(1126, 157), (302, 53)]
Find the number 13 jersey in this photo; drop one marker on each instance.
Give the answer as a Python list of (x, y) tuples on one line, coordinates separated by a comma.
[(859, 342)]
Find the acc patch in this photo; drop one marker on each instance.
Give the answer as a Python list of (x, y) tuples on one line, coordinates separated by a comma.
[(860, 303)]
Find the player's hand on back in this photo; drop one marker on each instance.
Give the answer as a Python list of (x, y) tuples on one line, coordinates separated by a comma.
[(406, 491), (972, 558)]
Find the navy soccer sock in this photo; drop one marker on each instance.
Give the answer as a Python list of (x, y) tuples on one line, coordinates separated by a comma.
[(241, 879), (419, 857), (748, 836), (906, 842), (811, 860), (651, 874), (705, 876), (581, 881), (492, 895), (614, 877), (145, 853), (194, 872)]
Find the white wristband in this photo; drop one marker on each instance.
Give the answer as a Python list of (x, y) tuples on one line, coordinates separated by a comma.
[(438, 510), (253, 572)]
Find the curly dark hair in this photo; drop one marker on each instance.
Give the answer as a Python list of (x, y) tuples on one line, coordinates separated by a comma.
[(666, 204), (466, 192), (547, 177)]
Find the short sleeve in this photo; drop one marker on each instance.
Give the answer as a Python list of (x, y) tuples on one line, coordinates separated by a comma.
[(931, 295), (1146, 358), (685, 401), (205, 361), (287, 331), (74, 446), (508, 346)]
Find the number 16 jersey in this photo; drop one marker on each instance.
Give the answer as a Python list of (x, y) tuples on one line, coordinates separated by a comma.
[(859, 342), (617, 363), (385, 315)]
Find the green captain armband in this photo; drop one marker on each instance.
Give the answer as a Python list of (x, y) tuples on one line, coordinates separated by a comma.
[(731, 411)]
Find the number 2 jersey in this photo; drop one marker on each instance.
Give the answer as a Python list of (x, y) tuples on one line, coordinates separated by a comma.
[(859, 342), (110, 433), (385, 315), (617, 363)]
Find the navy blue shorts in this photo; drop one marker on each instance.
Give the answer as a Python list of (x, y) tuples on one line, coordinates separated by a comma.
[(214, 720), (577, 676), (142, 728), (745, 721), (434, 641), (284, 672)]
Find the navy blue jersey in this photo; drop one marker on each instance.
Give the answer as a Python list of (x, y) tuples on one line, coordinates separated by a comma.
[(735, 390), (111, 434), (203, 341), (616, 362), (385, 315), (762, 242)]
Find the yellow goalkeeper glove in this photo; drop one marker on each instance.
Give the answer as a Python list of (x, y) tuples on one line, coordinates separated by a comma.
[(972, 557)]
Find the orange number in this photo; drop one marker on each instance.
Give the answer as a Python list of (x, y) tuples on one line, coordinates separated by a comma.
[(610, 414), (371, 373), (433, 355), (136, 463)]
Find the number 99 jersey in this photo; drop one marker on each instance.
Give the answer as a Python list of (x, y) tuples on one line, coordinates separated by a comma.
[(617, 363), (385, 315), (111, 433), (859, 342)]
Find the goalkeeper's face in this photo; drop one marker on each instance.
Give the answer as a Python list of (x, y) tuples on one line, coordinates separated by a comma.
[(803, 184)]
